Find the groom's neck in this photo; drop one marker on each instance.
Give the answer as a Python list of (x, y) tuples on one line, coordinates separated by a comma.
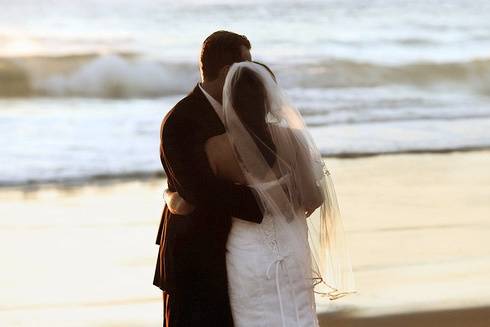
[(214, 89)]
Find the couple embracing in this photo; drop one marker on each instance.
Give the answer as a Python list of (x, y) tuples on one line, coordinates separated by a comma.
[(241, 240)]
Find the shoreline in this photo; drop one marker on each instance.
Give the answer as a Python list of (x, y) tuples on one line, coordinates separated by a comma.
[(110, 180)]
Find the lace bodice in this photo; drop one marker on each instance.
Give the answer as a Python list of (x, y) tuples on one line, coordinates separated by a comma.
[(267, 226), (267, 276)]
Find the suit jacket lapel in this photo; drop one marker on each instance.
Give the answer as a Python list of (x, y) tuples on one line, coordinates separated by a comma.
[(206, 113)]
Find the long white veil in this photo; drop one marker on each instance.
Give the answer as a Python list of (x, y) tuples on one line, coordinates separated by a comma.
[(303, 181)]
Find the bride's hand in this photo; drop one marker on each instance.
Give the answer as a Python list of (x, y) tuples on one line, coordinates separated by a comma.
[(176, 204)]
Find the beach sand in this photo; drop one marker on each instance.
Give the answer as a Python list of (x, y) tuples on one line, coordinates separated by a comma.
[(418, 226)]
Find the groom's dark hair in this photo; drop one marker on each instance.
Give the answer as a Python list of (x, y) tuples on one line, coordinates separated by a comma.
[(220, 49)]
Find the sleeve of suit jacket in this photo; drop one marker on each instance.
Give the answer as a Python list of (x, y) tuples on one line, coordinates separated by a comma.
[(187, 161)]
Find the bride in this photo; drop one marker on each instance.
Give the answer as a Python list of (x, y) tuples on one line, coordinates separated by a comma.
[(274, 268)]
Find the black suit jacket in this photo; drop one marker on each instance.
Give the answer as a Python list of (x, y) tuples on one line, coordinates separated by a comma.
[(191, 260)]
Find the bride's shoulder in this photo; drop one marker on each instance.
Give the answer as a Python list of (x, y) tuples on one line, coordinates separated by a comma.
[(287, 131), (278, 128)]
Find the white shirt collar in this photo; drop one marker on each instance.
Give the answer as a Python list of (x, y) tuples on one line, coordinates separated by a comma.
[(215, 104)]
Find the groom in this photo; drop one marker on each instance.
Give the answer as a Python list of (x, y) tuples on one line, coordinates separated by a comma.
[(191, 266)]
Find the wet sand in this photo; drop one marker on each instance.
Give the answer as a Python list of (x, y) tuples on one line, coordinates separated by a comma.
[(418, 226)]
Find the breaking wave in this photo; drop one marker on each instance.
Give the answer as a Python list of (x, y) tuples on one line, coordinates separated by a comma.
[(128, 75)]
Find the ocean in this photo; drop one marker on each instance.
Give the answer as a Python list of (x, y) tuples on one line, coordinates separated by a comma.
[(84, 85)]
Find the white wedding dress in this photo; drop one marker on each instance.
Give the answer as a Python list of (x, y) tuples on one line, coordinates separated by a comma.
[(266, 277), (275, 266)]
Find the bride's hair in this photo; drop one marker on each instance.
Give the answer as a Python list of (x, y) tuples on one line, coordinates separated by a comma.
[(249, 100), (266, 67)]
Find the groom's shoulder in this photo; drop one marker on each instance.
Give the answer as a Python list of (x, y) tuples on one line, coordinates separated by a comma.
[(181, 111)]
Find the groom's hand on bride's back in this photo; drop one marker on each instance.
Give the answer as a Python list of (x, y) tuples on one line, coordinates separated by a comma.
[(176, 204)]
